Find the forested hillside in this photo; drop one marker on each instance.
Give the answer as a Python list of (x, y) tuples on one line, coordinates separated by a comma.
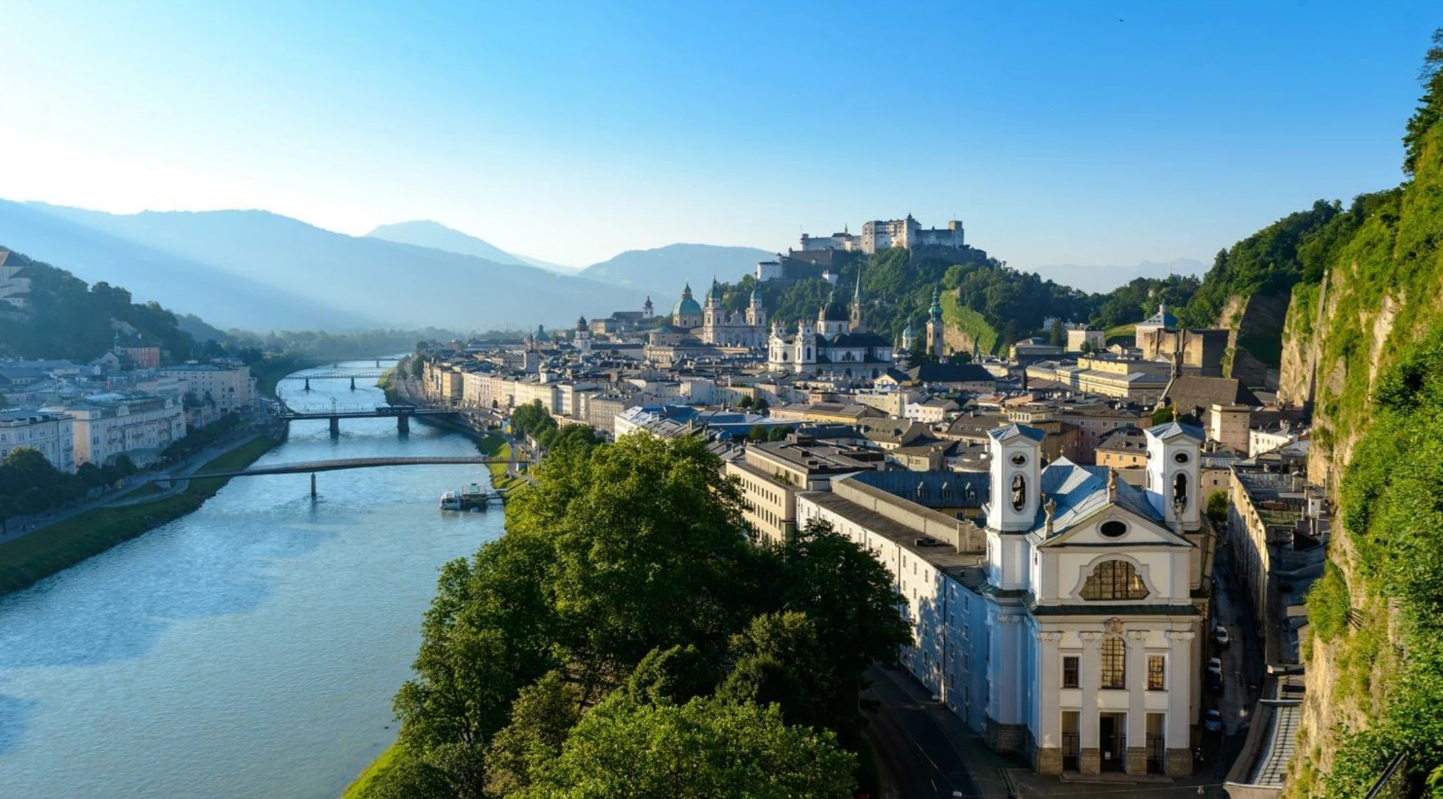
[(68, 319), (1364, 341), (985, 301)]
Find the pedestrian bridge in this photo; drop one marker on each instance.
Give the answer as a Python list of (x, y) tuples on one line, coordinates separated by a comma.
[(311, 467)]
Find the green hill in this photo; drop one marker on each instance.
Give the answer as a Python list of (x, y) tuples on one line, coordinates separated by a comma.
[(72, 320)]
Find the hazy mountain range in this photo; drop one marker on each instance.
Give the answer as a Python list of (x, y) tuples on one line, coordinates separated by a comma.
[(1107, 278), (425, 233), (662, 272), (258, 270)]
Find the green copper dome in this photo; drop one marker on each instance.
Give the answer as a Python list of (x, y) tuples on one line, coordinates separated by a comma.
[(686, 306)]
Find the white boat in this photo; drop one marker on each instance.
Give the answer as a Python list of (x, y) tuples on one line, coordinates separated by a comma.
[(450, 501)]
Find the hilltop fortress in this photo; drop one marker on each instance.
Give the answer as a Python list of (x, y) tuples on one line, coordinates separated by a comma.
[(816, 257)]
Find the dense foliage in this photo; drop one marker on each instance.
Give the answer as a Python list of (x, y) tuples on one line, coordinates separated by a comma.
[(69, 319), (626, 584), (30, 484), (535, 421), (1378, 608), (1007, 303), (1391, 509)]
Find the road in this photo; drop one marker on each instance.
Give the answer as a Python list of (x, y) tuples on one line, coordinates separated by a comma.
[(1243, 665), (914, 752)]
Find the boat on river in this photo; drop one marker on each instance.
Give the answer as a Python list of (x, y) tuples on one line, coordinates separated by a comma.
[(470, 498)]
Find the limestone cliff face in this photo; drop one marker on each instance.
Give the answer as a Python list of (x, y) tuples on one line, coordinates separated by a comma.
[(1255, 330)]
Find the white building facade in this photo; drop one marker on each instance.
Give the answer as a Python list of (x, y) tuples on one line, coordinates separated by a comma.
[(231, 387), (45, 431), (107, 426), (1070, 633)]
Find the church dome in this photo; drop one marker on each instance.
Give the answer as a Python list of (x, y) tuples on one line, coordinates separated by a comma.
[(686, 306), (833, 311)]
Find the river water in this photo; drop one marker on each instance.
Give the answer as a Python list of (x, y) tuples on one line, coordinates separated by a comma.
[(250, 649)]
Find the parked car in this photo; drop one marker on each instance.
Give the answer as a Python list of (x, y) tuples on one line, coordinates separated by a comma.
[(1215, 682), (1215, 666), (1221, 634), (1214, 722)]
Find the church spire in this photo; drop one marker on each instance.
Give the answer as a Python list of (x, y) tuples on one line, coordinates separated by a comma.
[(859, 319)]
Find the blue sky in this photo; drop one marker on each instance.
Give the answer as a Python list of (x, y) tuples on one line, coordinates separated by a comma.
[(1060, 132)]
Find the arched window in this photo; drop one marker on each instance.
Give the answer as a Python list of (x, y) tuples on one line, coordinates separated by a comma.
[(1179, 489), (1114, 662), (1019, 492), (1114, 579)]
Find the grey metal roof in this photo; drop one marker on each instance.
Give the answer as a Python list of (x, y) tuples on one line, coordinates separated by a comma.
[(1014, 430), (1173, 429)]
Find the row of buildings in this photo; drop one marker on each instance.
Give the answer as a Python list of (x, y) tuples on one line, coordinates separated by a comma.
[(1047, 538), (77, 414)]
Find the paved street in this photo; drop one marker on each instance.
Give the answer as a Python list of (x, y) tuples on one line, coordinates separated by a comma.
[(914, 751)]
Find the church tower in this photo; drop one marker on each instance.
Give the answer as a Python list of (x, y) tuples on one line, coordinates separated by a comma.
[(756, 314), (648, 310), (1173, 481), (935, 341), (859, 319), (714, 315), (583, 335)]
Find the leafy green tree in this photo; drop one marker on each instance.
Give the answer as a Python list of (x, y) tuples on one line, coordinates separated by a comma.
[(541, 719), (675, 675), (745, 402), (779, 659), (757, 433), (647, 551), (704, 749), (488, 633), (847, 595), (409, 776), (1218, 507), (1430, 111), (1056, 335), (778, 433)]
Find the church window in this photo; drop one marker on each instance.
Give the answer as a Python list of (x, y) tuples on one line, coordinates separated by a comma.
[(1019, 492), (1112, 528), (1181, 457), (1069, 671), (1114, 662), (1114, 579), (1179, 489), (1156, 669)]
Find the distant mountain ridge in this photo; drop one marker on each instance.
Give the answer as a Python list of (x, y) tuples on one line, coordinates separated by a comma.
[(1102, 279), (426, 233), (664, 270), (259, 270)]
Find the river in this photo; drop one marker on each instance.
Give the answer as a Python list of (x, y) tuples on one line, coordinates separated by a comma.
[(250, 649)]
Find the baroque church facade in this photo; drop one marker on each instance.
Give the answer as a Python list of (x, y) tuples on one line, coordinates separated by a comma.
[(838, 342)]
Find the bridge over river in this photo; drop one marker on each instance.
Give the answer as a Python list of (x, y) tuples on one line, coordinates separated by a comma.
[(338, 464)]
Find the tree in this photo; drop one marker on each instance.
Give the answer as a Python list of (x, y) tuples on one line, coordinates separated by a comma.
[(541, 719), (757, 433), (648, 552), (1430, 112), (847, 596), (488, 633), (745, 402), (1218, 507), (778, 433), (704, 749), (761, 405), (675, 675), (779, 659), (1056, 335)]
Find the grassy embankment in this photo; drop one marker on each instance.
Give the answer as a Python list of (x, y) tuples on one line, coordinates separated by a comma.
[(357, 789), (960, 317), (498, 447), (1122, 333), (24, 561)]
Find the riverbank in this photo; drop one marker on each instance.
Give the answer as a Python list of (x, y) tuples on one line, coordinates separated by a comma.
[(27, 560)]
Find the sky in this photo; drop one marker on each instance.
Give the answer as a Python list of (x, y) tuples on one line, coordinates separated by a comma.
[(1058, 131)]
